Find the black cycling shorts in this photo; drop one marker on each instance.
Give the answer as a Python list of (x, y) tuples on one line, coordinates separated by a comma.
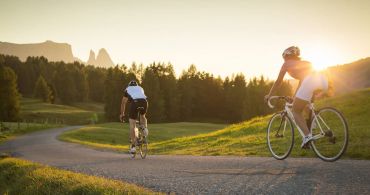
[(134, 105)]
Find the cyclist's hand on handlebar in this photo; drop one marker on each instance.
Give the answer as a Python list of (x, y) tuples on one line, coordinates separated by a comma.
[(267, 97), (122, 117), (290, 99)]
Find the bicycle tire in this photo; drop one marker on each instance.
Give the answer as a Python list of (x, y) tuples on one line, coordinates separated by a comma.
[(289, 142), (316, 144), (143, 147)]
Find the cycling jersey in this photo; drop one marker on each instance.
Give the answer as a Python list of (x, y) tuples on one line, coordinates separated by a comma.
[(134, 93), (137, 98)]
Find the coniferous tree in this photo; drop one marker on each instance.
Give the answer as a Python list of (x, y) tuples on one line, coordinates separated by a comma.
[(64, 84), (9, 96), (151, 85), (42, 90), (95, 78), (194, 96), (187, 93), (115, 83)]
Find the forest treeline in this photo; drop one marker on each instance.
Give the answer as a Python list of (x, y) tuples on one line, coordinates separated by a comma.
[(193, 96)]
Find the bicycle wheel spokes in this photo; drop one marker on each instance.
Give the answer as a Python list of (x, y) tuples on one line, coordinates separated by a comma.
[(280, 136), (333, 126)]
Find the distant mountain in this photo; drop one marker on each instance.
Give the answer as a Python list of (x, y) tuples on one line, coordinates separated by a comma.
[(102, 60), (92, 59), (53, 52)]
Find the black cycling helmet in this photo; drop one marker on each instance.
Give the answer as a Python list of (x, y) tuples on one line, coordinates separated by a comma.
[(292, 51), (132, 83)]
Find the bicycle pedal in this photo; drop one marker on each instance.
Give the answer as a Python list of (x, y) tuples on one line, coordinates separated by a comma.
[(328, 133), (332, 140), (306, 146)]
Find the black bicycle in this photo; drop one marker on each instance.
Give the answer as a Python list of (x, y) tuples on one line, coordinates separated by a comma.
[(141, 139)]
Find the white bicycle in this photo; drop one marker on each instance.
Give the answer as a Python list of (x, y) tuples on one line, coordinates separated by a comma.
[(327, 125)]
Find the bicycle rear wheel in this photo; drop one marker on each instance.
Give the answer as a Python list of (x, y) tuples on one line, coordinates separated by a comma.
[(143, 148), (332, 125), (280, 135)]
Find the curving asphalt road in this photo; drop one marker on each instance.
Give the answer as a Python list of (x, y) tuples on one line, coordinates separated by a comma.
[(198, 174)]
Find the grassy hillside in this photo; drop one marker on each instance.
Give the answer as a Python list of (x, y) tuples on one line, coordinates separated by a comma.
[(244, 139), (116, 135), (23, 177), (249, 138), (349, 77), (80, 113)]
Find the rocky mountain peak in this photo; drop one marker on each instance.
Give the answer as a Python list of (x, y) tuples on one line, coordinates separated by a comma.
[(103, 59), (91, 59)]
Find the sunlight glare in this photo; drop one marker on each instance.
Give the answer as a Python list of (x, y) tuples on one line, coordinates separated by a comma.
[(321, 57)]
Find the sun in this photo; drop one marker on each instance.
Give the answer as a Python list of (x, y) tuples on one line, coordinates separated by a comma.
[(321, 57)]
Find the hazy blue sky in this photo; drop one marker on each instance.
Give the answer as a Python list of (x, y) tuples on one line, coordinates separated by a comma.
[(221, 37)]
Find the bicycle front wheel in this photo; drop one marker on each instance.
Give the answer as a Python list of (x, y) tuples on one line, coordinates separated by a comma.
[(333, 128), (280, 135)]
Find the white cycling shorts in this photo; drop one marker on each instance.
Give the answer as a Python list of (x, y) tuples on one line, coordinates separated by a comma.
[(311, 83)]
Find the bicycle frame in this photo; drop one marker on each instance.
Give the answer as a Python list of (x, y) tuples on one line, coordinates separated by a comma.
[(287, 109)]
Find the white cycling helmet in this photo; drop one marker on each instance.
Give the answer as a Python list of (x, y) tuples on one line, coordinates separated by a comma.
[(292, 51)]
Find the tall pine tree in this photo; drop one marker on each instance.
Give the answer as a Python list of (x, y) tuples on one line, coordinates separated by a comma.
[(9, 96), (42, 90)]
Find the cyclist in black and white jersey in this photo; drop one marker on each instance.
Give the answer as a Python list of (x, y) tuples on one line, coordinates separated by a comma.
[(134, 94)]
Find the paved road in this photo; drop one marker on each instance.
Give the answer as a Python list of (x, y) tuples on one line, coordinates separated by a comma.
[(198, 175)]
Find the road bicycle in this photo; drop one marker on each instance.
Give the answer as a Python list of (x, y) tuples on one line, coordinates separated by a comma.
[(327, 125), (141, 139)]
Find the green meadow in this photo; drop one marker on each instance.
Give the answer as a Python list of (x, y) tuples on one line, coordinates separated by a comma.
[(244, 139), (34, 110), (116, 135)]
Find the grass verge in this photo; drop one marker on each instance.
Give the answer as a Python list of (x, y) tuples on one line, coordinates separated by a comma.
[(23, 177)]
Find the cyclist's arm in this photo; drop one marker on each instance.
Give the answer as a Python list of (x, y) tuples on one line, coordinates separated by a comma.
[(123, 102), (278, 81), (123, 105)]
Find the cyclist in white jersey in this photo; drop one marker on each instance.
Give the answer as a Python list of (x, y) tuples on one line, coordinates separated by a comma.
[(134, 94), (309, 81)]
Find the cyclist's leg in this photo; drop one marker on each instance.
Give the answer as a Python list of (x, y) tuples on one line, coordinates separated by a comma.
[(143, 103), (143, 120), (132, 130), (132, 121), (301, 100), (298, 107)]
